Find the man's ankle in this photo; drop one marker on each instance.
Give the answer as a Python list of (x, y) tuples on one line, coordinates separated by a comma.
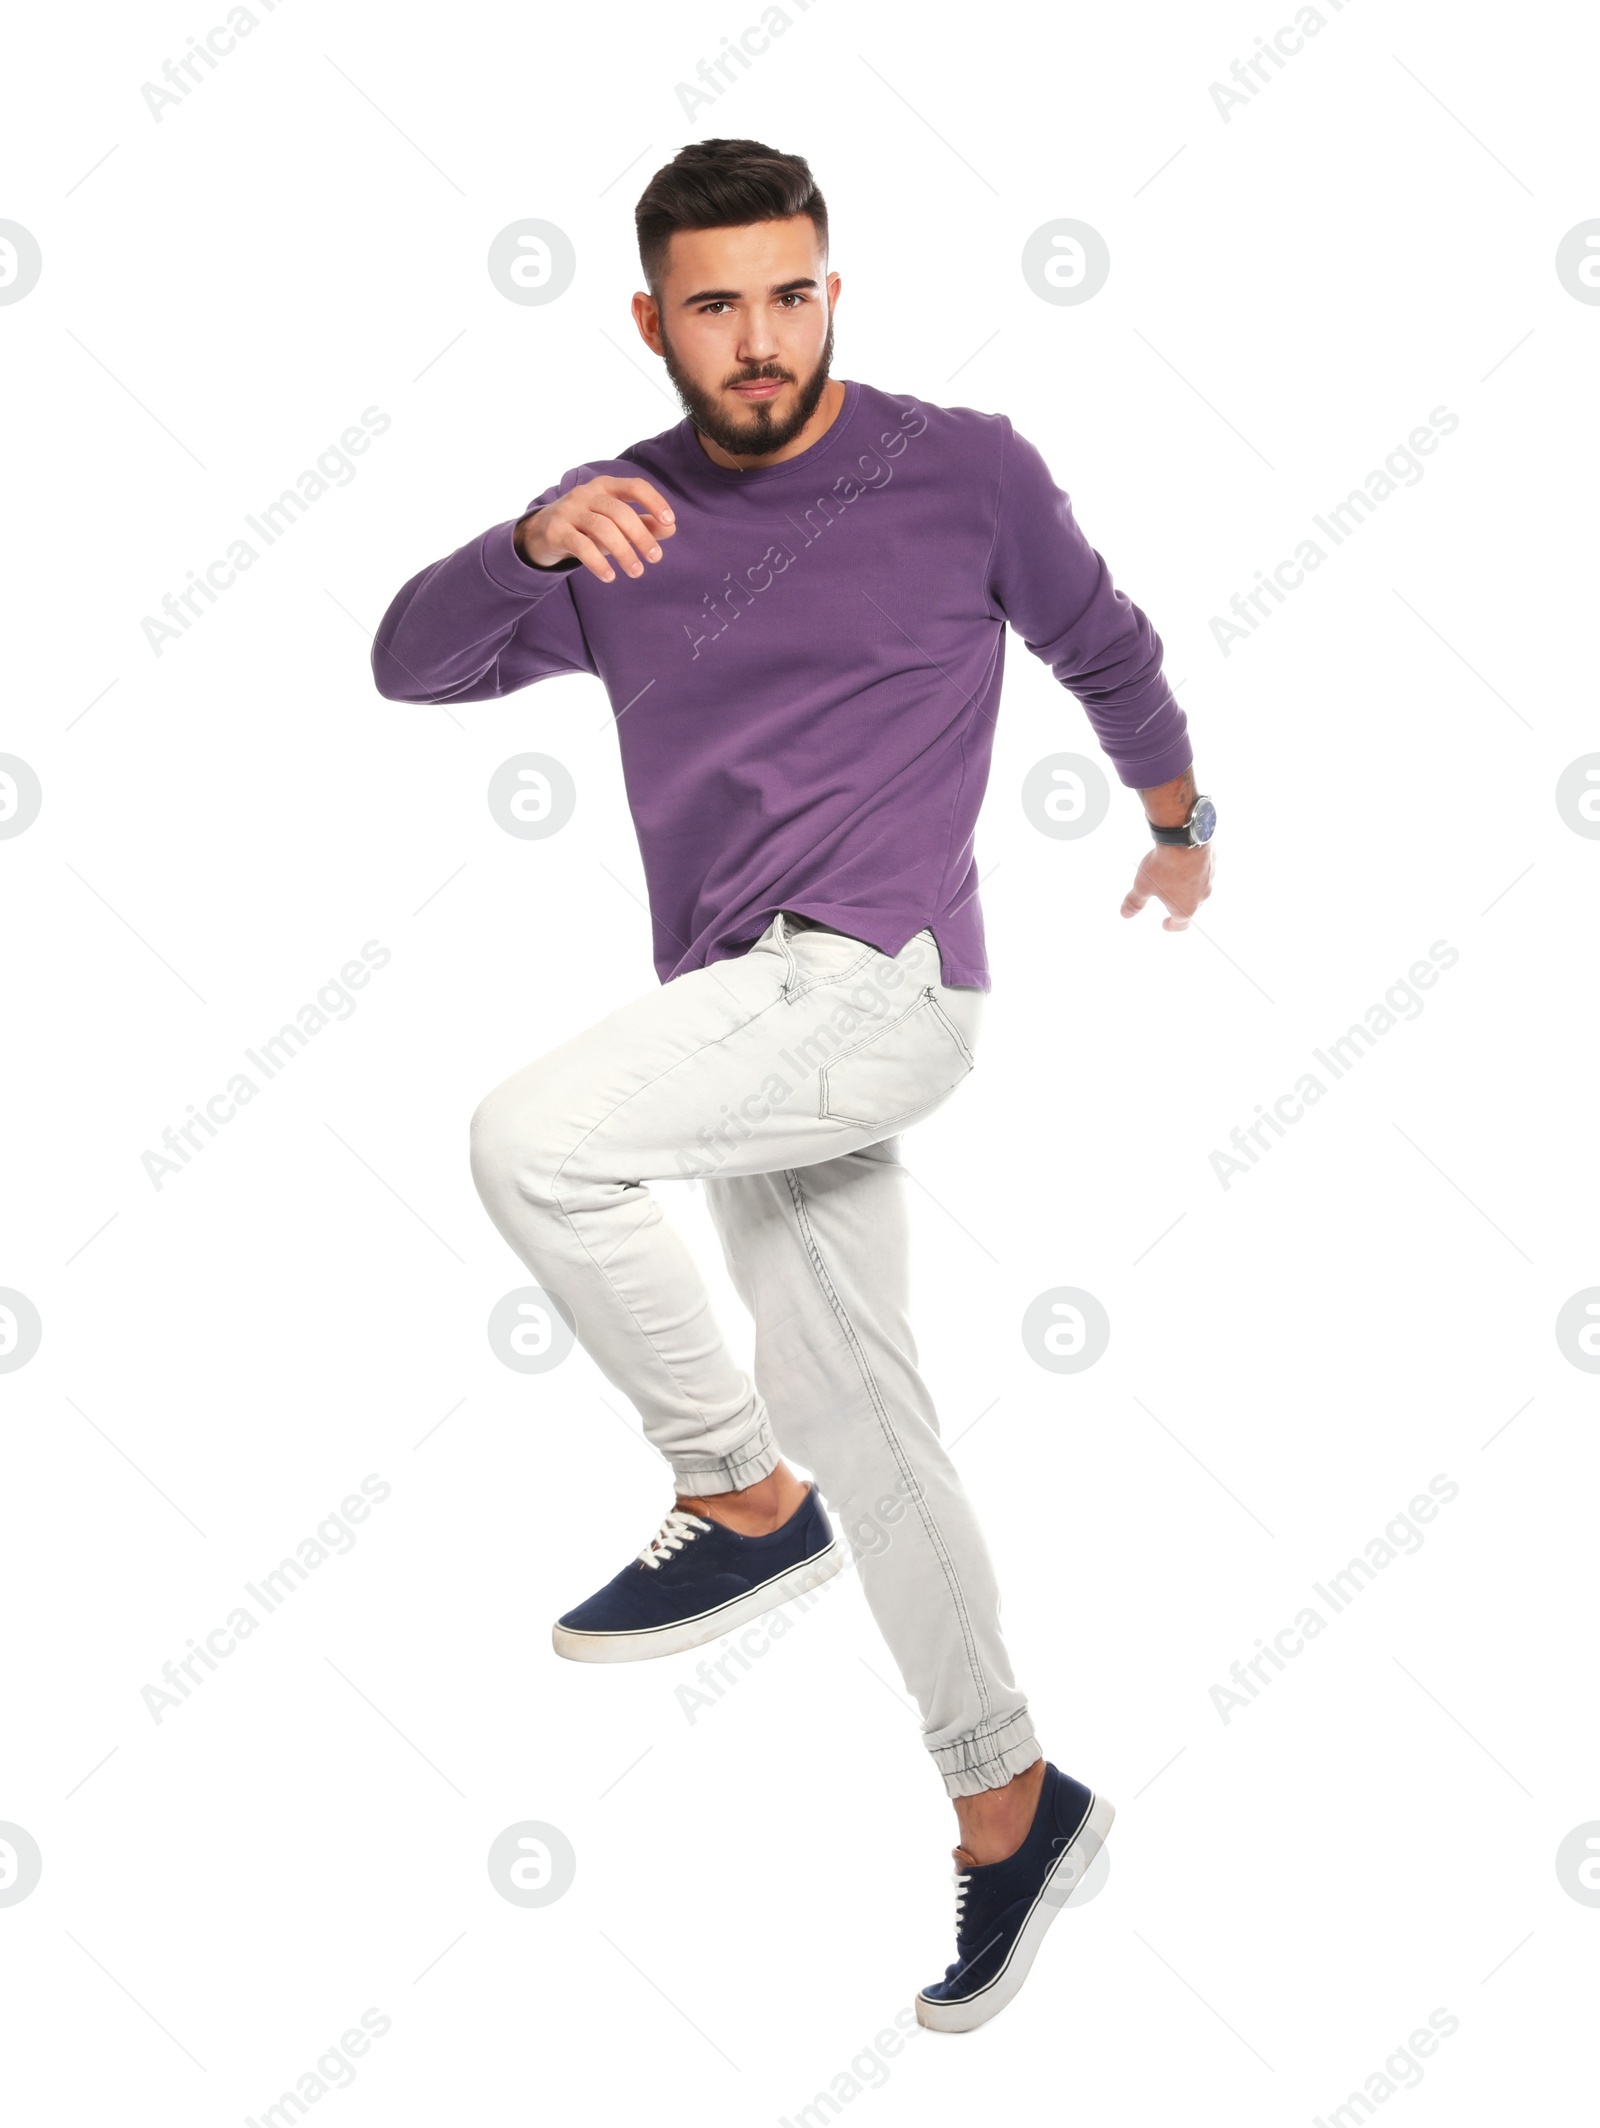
[(995, 1823), (752, 1510)]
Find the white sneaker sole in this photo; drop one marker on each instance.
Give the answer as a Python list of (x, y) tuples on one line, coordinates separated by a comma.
[(694, 1632), (1064, 1878)]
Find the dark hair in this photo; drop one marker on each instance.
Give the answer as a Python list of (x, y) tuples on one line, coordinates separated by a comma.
[(723, 184)]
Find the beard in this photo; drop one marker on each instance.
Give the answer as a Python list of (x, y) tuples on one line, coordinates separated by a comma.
[(760, 430)]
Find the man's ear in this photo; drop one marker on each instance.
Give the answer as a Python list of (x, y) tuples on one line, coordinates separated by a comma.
[(647, 316)]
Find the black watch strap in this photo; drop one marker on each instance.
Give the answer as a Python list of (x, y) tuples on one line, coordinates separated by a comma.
[(1182, 836)]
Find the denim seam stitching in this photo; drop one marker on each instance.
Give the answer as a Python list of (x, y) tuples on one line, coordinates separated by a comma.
[(828, 1114), (886, 1426), (953, 1029)]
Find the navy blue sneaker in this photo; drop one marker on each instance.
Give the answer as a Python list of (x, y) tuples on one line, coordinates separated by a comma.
[(1004, 1908), (697, 1579)]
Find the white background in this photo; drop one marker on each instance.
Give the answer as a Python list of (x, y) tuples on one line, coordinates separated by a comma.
[(758, 1892)]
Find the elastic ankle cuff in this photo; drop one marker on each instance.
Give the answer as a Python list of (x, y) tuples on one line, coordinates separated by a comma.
[(988, 1757), (729, 1474)]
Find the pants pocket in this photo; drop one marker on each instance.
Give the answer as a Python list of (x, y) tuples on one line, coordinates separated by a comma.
[(896, 1071)]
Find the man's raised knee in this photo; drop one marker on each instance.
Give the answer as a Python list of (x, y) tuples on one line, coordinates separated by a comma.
[(512, 1138)]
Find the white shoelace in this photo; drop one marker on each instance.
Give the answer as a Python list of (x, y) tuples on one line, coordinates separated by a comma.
[(679, 1529), (962, 1879)]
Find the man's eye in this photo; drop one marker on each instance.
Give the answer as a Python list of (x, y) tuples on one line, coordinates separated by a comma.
[(790, 295)]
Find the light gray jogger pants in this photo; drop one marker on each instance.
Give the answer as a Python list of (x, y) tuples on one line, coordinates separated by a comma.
[(781, 1078)]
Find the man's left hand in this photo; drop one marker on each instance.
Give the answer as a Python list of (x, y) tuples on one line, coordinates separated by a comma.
[(1177, 876)]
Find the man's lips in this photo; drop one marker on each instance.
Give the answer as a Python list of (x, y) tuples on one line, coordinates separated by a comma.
[(760, 388)]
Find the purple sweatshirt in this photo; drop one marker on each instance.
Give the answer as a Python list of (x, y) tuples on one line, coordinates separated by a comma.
[(806, 683)]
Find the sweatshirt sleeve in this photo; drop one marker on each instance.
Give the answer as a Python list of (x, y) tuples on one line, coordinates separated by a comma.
[(1057, 593), (482, 622)]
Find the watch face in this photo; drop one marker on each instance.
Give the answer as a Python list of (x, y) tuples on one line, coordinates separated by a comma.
[(1204, 823)]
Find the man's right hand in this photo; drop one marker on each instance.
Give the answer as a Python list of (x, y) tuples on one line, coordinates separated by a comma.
[(604, 517)]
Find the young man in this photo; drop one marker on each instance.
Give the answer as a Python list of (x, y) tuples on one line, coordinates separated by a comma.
[(797, 601)]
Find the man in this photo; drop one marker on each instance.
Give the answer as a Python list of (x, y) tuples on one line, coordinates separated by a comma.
[(797, 601)]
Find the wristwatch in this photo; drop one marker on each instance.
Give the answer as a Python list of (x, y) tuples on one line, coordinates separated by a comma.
[(1200, 826)]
